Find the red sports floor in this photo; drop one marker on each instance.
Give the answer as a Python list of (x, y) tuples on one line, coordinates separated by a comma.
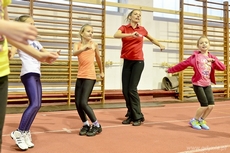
[(165, 130)]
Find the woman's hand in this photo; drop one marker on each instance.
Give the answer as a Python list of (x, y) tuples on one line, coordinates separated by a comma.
[(135, 34)]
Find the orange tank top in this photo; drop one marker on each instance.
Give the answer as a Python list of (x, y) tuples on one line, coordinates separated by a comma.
[(86, 66)]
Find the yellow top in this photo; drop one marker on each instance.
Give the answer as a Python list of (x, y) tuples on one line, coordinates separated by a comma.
[(4, 60)]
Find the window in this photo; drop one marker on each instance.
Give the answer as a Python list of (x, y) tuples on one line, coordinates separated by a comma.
[(108, 8), (174, 5)]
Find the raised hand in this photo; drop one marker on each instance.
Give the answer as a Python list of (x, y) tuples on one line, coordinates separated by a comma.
[(20, 32), (49, 57)]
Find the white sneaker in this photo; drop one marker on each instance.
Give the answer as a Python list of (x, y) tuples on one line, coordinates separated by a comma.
[(19, 139), (27, 138)]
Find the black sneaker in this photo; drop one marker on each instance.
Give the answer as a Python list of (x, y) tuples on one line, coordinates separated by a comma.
[(84, 130), (137, 122), (127, 121), (94, 130), (142, 119)]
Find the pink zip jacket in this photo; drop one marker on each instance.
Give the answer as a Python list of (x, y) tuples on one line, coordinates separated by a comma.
[(192, 61)]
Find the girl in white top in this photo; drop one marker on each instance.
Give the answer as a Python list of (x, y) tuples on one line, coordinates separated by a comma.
[(30, 77), (30, 64)]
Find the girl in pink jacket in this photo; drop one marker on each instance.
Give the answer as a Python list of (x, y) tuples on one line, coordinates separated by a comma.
[(204, 65)]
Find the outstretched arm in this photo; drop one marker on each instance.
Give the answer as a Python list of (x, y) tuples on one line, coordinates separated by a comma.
[(40, 56), (49, 60), (155, 42), (180, 66)]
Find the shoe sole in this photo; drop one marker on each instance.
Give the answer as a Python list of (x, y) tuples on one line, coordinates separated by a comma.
[(98, 132), (142, 120), (136, 125), (193, 127), (12, 137), (126, 123), (30, 146), (82, 134), (204, 128)]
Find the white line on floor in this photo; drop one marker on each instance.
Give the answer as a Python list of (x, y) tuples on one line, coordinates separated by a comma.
[(121, 125), (67, 130), (207, 148)]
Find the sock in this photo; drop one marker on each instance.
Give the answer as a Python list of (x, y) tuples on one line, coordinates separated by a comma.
[(96, 124), (201, 119), (19, 130), (86, 123)]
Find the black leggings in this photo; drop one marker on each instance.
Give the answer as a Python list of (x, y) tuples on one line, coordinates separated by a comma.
[(83, 89), (131, 74), (204, 95), (3, 102)]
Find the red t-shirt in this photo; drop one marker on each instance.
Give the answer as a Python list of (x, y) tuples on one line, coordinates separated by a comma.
[(132, 46)]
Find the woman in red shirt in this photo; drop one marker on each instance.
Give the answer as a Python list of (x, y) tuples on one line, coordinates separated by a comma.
[(132, 36)]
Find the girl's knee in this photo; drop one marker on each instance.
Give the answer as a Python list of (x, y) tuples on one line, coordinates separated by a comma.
[(84, 105), (211, 106), (36, 107)]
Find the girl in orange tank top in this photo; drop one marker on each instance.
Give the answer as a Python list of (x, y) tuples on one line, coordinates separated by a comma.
[(86, 50)]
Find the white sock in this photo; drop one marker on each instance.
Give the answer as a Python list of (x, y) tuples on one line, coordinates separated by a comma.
[(201, 119), (20, 131), (86, 123), (96, 124)]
